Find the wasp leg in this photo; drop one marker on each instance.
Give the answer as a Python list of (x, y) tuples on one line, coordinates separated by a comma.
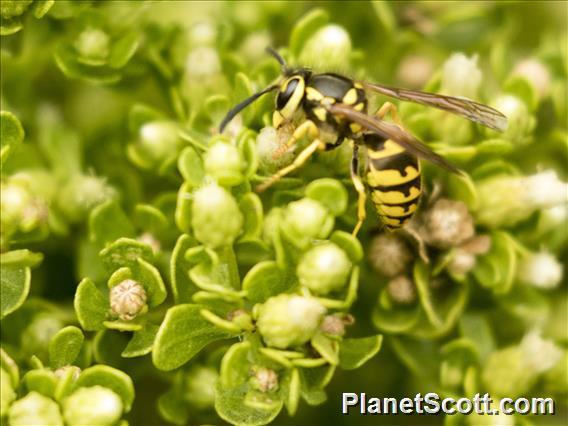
[(306, 128), (389, 107), (360, 188), (298, 162)]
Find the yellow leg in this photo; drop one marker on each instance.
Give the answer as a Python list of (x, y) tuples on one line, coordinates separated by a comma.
[(360, 188), (386, 108), (298, 162), (306, 128)]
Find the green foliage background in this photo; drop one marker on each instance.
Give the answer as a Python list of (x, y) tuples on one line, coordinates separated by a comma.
[(81, 80)]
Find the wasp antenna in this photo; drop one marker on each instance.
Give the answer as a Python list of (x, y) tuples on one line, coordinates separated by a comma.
[(242, 105), (277, 56)]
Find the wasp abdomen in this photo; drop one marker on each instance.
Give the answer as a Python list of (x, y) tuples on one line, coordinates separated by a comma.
[(393, 177)]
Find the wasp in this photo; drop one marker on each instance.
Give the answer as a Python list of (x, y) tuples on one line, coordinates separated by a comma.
[(333, 109)]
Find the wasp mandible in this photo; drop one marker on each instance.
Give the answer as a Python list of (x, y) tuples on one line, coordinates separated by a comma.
[(334, 110)]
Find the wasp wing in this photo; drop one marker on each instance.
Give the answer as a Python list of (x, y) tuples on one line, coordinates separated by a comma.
[(467, 108), (393, 132)]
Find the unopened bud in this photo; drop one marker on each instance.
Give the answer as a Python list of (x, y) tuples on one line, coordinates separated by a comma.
[(93, 45), (289, 320), (461, 76), (461, 263), (329, 47), (536, 73), (96, 406), (62, 371), (216, 218), (271, 148), (307, 219), (127, 299), (83, 193), (34, 409), (199, 387), (540, 270), (335, 324), (225, 164), (324, 268), (158, 141), (520, 122)]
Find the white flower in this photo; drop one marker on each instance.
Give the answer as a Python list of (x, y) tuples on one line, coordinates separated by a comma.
[(541, 270), (539, 354), (461, 76), (272, 152), (127, 299), (203, 34), (536, 73), (415, 70), (509, 199), (329, 47), (202, 62)]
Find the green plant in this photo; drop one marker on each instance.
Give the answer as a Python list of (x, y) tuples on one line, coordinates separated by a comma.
[(136, 255)]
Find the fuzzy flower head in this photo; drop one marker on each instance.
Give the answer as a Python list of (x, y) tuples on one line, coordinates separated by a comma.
[(506, 200), (127, 299), (270, 147), (402, 290), (520, 122), (540, 270), (447, 223), (35, 409), (389, 254), (264, 379), (539, 355), (306, 219), (324, 269), (158, 141), (289, 320), (536, 73), (93, 46), (199, 386), (224, 163), (461, 76)]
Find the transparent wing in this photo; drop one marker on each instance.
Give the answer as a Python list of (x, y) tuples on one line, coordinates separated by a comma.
[(467, 108), (394, 133)]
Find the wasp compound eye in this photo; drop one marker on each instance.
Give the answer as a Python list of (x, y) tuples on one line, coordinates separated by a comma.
[(285, 95)]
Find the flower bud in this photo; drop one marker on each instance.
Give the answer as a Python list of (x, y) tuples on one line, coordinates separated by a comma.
[(96, 406), (8, 394), (506, 200), (19, 209), (150, 240), (306, 219), (461, 76), (389, 254), (93, 45), (447, 223), (271, 223), (241, 318), (216, 218), (202, 62), (81, 194), (252, 48), (62, 371), (35, 409), (12, 8), (402, 290), (541, 270), (36, 336), (329, 47), (539, 355), (324, 268), (203, 34), (199, 387), (536, 73), (158, 141), (127, 299), (335, 324), (289, 320), (270, 146), (264, 379), (414, 71), (461, 263), (520, 122), (225, 164)]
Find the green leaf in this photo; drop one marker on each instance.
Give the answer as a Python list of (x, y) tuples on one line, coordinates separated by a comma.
[(141, 114), (108, 222), (123, 50), (125, 252), (67, 62), (305, 27), (182, 287), (264, 280), (294, 391), (243, 90), (349, 244), (41, 7), (20, 258), (190, 165), (422, 280), (142, 342), (496, 269), (216, 106), (12, 133), (150, 218), (247, 146), (183, 333), (521, 87), (10, 366), (331, 193), (42, 381), (65, 346), (173, 408), (461, 187), (15, 281), (326, 347), (229, 406), (149, 277), (251, 207), (353, 353), (111, 378), (235, 366), (183, 208), (386, 16), (10, 26), (91, 307)]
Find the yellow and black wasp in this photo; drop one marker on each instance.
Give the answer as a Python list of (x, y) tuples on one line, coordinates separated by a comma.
[(332, 109)]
